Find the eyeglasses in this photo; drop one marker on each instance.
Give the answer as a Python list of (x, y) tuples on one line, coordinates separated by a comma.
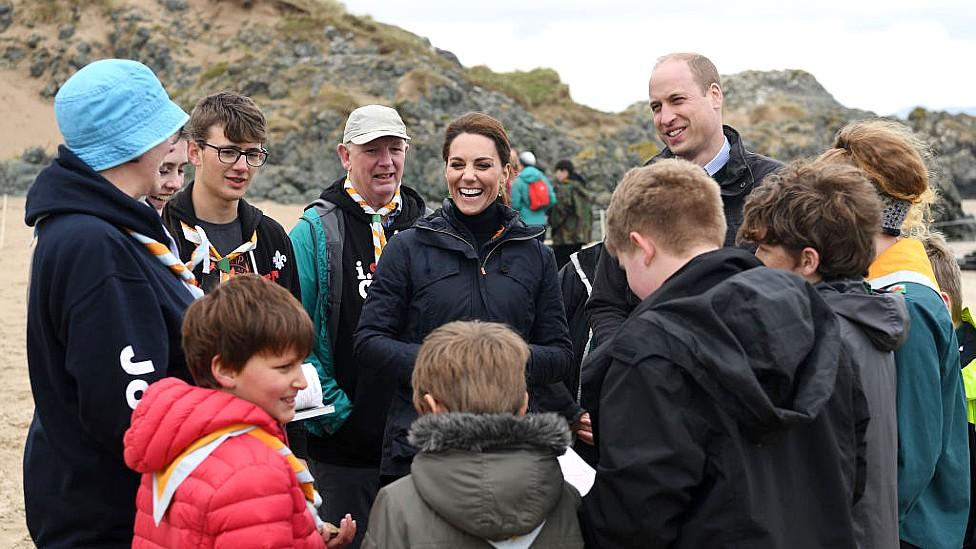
[(230, 155)]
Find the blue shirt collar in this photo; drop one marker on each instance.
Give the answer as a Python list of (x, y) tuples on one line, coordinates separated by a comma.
[(720, 160)]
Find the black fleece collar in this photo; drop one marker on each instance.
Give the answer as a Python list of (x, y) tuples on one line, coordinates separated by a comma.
[(182, 209)]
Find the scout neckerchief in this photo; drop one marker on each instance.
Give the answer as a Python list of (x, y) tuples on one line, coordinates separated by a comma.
[(165, 256), (166, 481), (903, 261), (198, 236), (376, 216)]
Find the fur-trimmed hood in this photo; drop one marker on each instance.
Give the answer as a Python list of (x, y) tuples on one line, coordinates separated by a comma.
[(489, 432), (492, 476)]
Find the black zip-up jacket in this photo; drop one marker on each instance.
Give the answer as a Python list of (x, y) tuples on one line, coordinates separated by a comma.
[(103, 322), (612, 300), (273, 253), (431, 274), (729, 416)]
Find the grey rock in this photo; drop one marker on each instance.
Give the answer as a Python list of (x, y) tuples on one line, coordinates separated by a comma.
[(51, 89), (174, 5), (66, 31), (33, 40), (254, 88), (12, 55), (16, 176), (278, 90), (6, 16), (35, 155)]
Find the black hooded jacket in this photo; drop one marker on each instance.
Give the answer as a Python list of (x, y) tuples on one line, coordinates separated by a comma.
[(273, 254), (729, 416), (103, 322), (612, 300)]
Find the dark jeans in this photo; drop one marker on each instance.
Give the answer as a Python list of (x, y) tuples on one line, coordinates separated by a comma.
[(906, 545), (346, 490), (563, 251)]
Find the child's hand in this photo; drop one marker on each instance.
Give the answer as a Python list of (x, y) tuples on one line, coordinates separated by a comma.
[(584, 428), (341, 536)]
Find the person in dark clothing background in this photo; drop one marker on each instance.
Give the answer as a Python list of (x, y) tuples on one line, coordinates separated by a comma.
[(686, 98), (472, 259), (729, 415), (571, 219)]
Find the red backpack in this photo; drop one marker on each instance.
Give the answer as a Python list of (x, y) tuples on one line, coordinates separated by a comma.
[(538, 195)]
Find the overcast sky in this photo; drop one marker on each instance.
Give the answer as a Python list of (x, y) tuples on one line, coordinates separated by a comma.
[(879, 55)]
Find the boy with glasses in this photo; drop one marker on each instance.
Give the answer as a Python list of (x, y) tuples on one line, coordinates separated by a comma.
[(216, 230)]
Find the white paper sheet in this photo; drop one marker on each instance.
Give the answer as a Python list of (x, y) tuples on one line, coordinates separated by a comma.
[(576, 471)]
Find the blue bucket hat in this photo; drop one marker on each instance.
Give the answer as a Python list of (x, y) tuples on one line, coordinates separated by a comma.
[(114, 110)]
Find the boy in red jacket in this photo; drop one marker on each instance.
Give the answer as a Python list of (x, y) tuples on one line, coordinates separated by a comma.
[(216, 470)]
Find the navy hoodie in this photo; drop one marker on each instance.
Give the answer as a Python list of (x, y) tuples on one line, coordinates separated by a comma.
[(103, 322)]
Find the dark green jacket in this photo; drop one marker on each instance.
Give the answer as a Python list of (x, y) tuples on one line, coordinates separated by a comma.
[(480, 477), (571, 219)]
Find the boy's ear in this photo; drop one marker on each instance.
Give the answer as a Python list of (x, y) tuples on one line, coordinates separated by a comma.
[(645, 246), (193, 153), (434, 406), (809, 262), (525, 405), (947, 300), (226, 377)]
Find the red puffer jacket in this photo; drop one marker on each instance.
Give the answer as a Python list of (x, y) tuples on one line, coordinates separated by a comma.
[(243, 494)]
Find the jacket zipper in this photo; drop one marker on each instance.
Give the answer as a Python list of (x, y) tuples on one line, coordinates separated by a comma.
[(491, 251), (513, 239)]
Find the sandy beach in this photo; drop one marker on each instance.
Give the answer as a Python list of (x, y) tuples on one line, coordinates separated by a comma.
[(16, 407)]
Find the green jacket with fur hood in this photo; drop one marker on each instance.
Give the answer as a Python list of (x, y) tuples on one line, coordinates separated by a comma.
[(478, 479)]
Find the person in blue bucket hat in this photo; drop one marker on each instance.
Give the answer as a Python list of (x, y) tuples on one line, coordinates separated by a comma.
[(105, 302)]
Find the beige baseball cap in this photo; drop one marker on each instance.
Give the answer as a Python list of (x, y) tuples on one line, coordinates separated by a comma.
[(370, 122)]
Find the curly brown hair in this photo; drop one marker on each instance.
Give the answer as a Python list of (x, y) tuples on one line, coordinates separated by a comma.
[(832, 208)]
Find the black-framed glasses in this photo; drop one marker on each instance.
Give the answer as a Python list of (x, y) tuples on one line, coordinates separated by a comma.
[(229, 155)]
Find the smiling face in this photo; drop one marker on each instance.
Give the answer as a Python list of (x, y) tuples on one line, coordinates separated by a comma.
[(170, 179), (227, 182), (474, 172), (687, 119), (375, 168), (271, 381)]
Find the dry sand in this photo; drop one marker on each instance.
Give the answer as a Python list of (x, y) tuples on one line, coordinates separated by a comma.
[(16, 406)]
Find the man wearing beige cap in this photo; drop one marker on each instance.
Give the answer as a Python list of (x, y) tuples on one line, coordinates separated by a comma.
[(337, 243)]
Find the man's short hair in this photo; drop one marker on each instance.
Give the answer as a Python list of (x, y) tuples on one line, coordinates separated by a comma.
[(673, 201), (243, 317), (702, 69), (472, 366), (946, 269), (832, 208), (241, 118)]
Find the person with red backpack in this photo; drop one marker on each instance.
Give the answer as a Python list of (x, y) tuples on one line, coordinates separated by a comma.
[(532, 194)]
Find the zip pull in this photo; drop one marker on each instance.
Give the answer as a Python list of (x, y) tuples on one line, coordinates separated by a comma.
[(483, 273)]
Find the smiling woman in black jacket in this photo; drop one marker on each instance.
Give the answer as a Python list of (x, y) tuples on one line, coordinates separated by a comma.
[(472, 259)]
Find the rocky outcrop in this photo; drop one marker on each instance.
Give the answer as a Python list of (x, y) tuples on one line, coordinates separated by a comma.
[(308, 64)]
